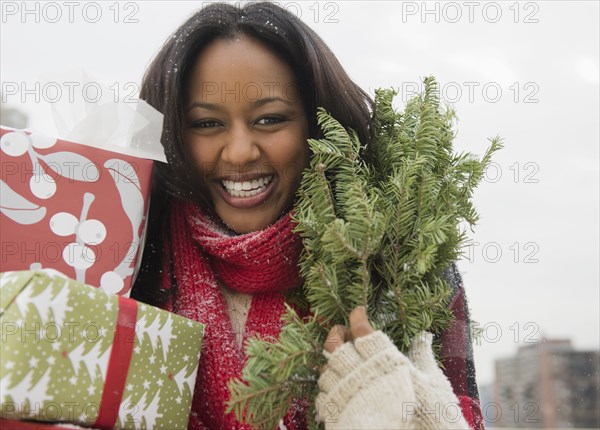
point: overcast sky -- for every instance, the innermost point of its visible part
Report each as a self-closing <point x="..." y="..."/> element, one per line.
<point x="527" y="71"/>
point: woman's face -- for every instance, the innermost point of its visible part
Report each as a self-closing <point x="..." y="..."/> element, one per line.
<point x="247" y="131"/>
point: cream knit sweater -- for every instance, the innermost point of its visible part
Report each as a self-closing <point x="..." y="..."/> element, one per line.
<point x="238" y="306"/>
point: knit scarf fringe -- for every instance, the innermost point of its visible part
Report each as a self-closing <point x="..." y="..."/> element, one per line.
<point x="201" y="257"/>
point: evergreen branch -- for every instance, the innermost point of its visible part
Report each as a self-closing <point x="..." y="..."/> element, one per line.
<point x="380" y="225"/>
<point x="277" y="372"/>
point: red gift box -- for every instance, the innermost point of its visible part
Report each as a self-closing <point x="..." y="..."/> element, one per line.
<point x="71" y="207"/>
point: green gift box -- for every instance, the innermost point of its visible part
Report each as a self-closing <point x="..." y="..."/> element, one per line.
<point x="74" y="353"/>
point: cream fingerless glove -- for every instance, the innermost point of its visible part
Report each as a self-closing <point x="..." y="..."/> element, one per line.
<point x="437" y="406"/>
<point x="369" y="384"/>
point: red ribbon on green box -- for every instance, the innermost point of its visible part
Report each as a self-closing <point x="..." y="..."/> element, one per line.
<point x="118" y="364"/>
<point x="121" y="364"/>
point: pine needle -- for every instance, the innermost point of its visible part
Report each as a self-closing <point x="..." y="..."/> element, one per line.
<point x="381" y="225"/>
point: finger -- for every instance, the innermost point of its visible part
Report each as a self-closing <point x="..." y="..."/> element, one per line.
<point x="359" y="323"/>
<point x="336" y="338"/>
<point x="421" y="352"/>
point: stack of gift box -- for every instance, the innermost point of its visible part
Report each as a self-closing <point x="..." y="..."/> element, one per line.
<point x="75" y="348"/>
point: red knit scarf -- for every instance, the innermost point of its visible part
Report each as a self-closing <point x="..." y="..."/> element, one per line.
<point x="262" y="263"/>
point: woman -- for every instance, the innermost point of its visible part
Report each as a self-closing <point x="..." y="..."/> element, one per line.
<point x="239" y="89"/>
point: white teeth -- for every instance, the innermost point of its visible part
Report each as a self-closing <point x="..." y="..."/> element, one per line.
<point x="246" y="188"/>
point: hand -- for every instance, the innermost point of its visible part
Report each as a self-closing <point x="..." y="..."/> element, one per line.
<point x="359" y="326"/>
<point x="369" y="384"/>
<point x="437" y="407"/>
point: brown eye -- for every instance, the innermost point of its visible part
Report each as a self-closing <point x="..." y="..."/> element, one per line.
<point x="209" y="123"/>
<point x="269" y="120"/>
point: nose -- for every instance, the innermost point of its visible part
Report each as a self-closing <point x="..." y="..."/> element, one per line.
<point x="241" y="147"/>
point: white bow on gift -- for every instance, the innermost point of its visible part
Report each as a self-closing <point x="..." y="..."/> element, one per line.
<point x="131" y="126"/>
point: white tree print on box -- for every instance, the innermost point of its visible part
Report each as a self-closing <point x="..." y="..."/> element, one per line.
<point x="40" y="373"/>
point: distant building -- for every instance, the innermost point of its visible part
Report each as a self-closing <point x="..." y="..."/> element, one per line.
<point x="546" y="385"/>
<point x="486" y="400"/>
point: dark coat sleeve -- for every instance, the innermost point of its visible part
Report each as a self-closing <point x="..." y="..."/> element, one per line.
<point x="457" y="353"/>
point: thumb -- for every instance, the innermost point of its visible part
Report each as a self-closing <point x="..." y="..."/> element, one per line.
<point x="421" y="352"/>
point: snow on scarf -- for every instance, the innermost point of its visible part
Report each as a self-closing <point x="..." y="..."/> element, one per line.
<point x="262" y="263"/>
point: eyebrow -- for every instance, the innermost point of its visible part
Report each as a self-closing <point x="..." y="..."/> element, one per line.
<point x="204" y="105"/>
<point x="266" y="100"/>
<point x="255" y="103"/>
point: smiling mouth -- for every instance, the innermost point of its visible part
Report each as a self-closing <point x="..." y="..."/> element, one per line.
<point x="247" y="188"/>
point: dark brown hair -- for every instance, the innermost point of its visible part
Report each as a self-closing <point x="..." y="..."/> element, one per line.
<point x="321" y="79"/>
